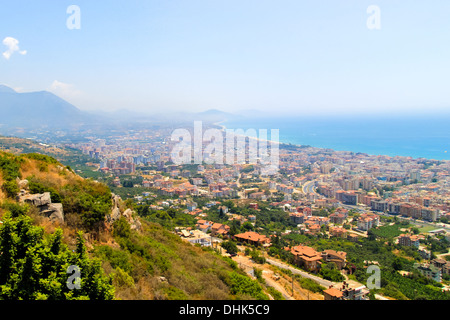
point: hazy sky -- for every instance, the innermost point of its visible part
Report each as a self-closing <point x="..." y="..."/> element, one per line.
<point x="275" y="56"/>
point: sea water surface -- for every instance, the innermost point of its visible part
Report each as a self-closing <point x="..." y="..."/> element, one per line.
<point x="411" y="136"/>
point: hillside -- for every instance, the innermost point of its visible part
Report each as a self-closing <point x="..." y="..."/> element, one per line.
<point x="19" y="146"/>
<point x="120" y="255"/>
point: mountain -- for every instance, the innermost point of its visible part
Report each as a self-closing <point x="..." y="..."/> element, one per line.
<point x="40" y="109"/>
<point x="214" y="112"/>
<point x="42" y="113"/>
<point x="209" y="116"/>
<point x="5" y="89"/>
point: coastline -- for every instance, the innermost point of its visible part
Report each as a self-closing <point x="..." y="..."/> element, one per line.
<point x="357" y="136"/>
<point x="223" y="128"/>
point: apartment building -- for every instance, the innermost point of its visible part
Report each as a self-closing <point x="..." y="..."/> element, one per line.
<point x="408" y="240"/>
<point x="367" y="221"/>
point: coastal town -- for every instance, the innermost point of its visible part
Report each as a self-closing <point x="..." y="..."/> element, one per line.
<point x="313" y="214"/>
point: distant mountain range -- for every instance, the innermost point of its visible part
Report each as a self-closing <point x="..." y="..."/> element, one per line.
<point x="37" y="109"/>
<point x="44" y="110"/>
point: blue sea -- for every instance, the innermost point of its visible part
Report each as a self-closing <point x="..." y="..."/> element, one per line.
<point x="411" y="136"/>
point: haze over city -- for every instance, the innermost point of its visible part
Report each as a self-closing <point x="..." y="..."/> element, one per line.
<point x="232" y="153"/>
<point x="288" y="57"/>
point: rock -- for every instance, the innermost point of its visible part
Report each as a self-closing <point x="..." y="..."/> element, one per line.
<point x="115" y="214"/>
<point x="136" y="225"/>
<point x="115" y="200"/>
<point x="128" y="213"/>
<point x="37" y="200"/>
<point x="23" y="184"/>
<point x="54" y="211"/>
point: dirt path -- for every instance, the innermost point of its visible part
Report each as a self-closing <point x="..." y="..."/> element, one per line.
<point x="281" y="282"/>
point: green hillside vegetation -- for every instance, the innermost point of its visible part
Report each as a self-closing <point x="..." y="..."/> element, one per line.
<point x="390" y="231"/>
<point x="35" y="265"/>
<point x="175" y="269"/>
<point x="115" y="262"/>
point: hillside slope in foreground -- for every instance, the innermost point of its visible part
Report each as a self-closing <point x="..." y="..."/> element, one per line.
<point x="65" y="237"/>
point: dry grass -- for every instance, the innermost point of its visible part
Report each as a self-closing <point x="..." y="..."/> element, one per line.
<point x="53" y="174"/>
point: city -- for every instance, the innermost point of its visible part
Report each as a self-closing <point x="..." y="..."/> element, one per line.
<point x="324" y="193"/>
<point x="225" y="158"/>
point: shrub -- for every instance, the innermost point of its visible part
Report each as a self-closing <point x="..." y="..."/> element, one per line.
<point x="331" y="274"/>
<point x="121" y="228"/>
<point x="40" y="157"/>
<point x="90" y="200"/>
<point x="33" y="268"/>
<point x="242" y="285"/>
<point x="310" y="285"/>
<point x="122" y="279"/>
<point x="117" y="258"/>
<point x="15" y="208"/>
<point x="10" y="166"/>
<point x="173" y="293"/>
<point x="11" y="188"/>
<point x="36" y="186"/>
<point x="230" y="246"/>
<point x="275" y="293"/>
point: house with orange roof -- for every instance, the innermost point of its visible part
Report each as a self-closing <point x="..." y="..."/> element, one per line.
<point x="338" y="232"/>
<point x="306" y="257"/>
<point x="204" y="225"/>
<point x="253" y="238"/>
<point x="218" y="229"/>
<point x="332" y="294"/>
<point x="314" y="228"/>
<point x="337" y="257"/>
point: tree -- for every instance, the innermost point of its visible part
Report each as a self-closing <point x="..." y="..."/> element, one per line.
<point x="11" y="188"/>
<point x="234" y="228"/>
<point x="222" y="214"/>
<point x="32" y="267"/>
<point x="242" y="285"/>
<point x="122" y="228"/>
<point x="230" y="247"/>
<point x="330" y="272"/>
<point x="247" y="226"/>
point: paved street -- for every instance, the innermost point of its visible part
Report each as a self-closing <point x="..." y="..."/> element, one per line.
<point x="323" y="282"/>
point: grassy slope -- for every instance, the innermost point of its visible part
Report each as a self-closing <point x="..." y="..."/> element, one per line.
<point x="151" y="264"/>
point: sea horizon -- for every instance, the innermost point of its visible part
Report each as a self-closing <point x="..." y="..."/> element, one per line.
<point x="407" y="136"/>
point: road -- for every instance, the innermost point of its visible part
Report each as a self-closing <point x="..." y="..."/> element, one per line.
<point x="272" y="283"/>
<point x="309" y="187"/>
<point x="322" y="282"/>
<point x="415" y="222"/>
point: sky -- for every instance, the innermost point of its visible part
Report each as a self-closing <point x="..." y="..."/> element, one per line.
<point x="277" y="57"/>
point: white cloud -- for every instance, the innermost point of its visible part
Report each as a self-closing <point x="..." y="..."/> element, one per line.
<point x="64" y="90"/>
<point x="13" y="46"/>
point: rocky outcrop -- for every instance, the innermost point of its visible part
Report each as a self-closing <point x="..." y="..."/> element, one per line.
<point x="22" y="184"/>
<point x="53" y="211"/>
<point x="37" y="200"/>
<point x="43" y="201"/>
<point x="117" y="212"/>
